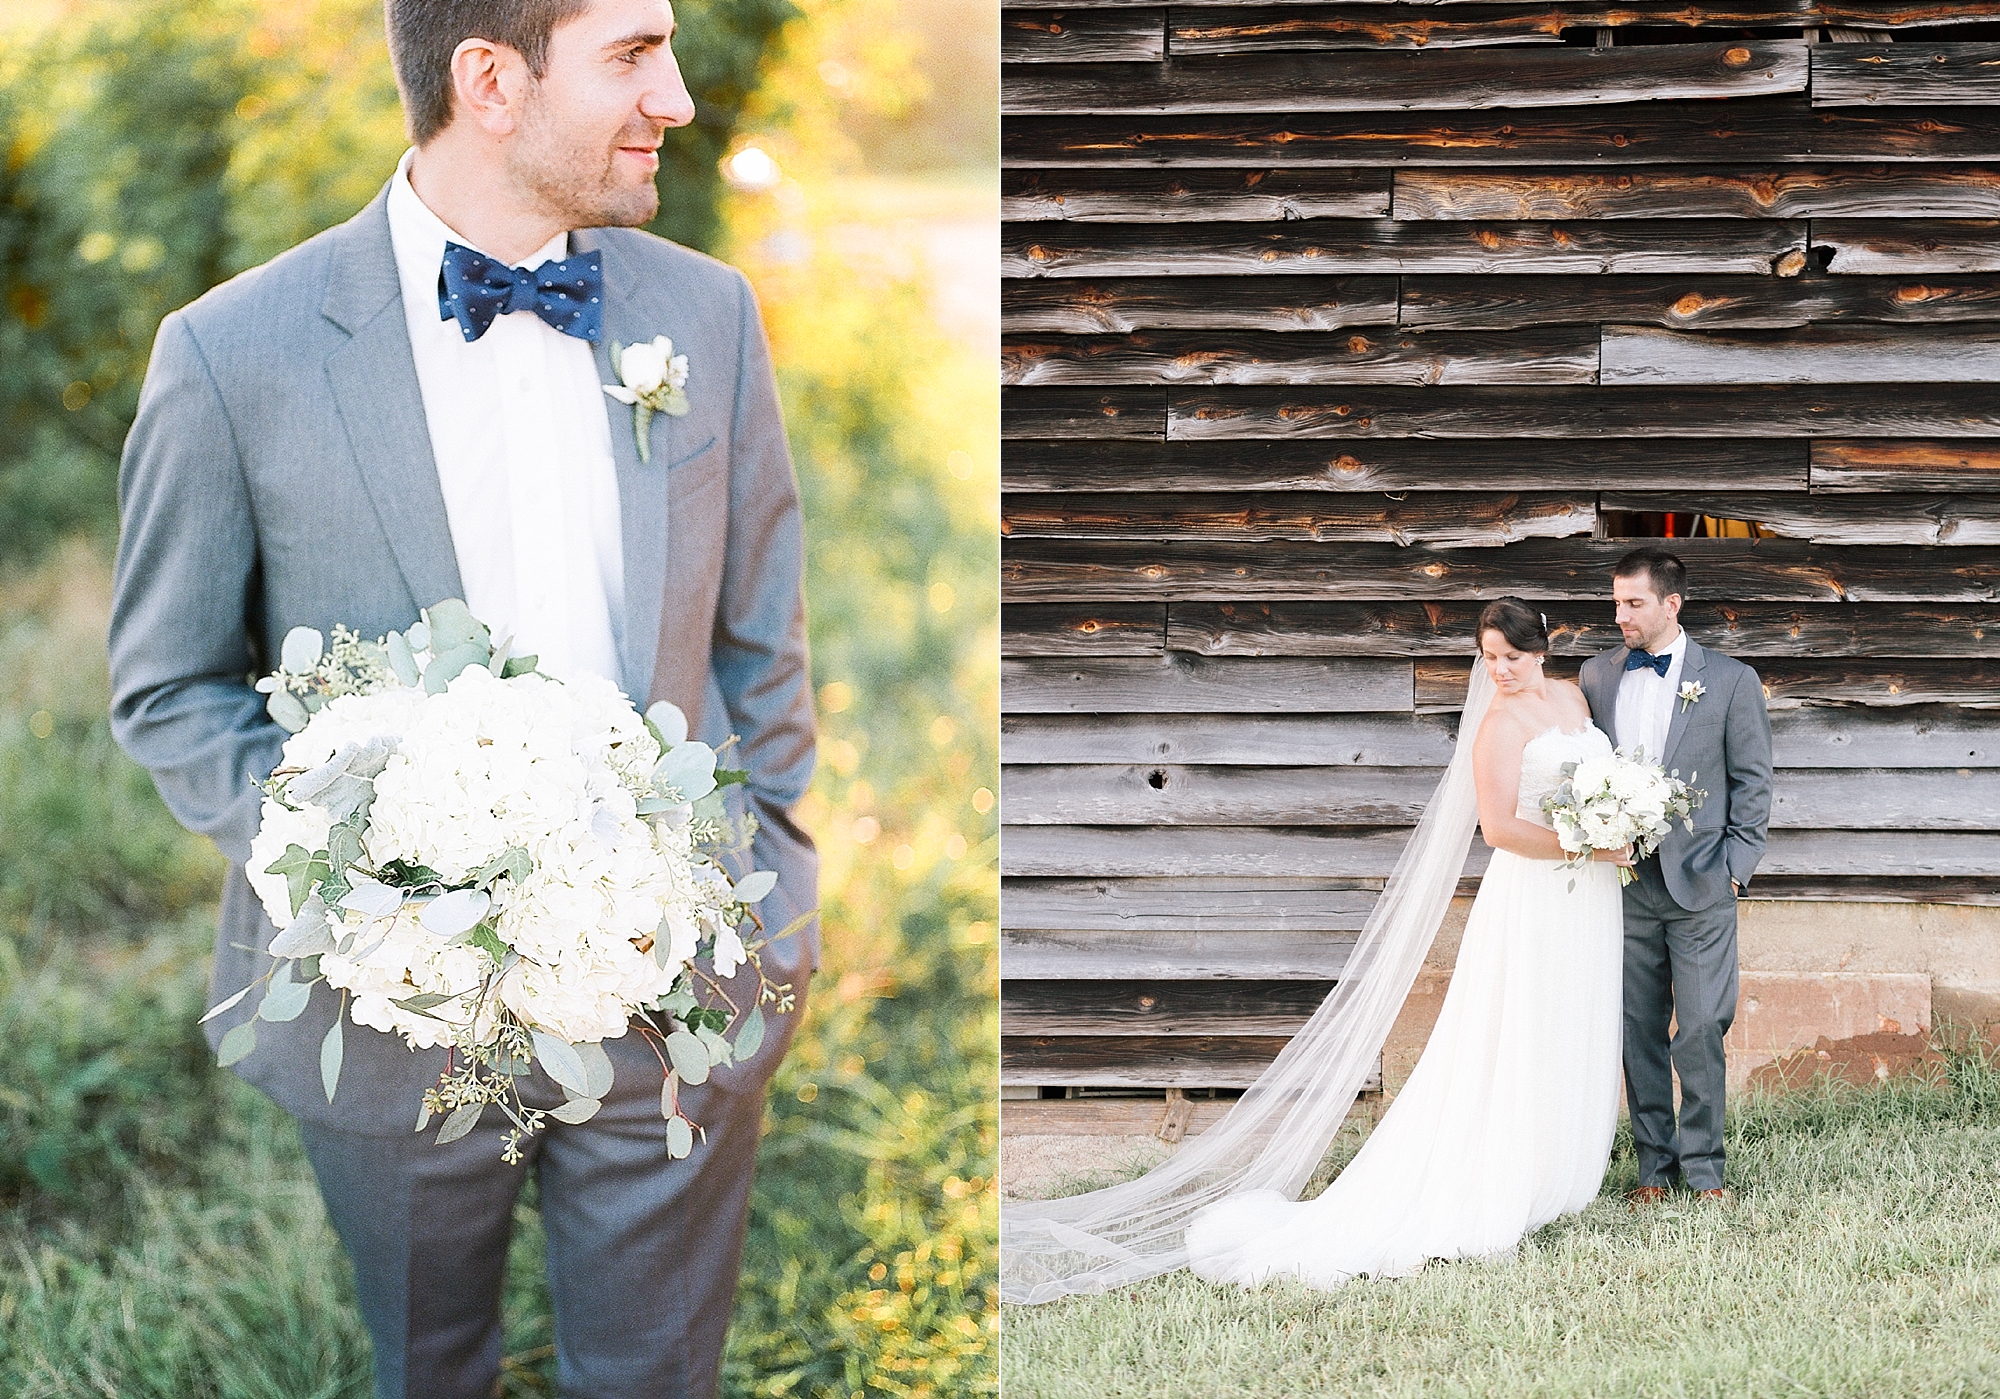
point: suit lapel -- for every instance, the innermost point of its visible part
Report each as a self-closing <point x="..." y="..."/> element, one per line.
<point x="374" y="382"/>
<point x="1692" y="665"/>
<point x="1610" y="677"/>
<point x="642" y="486"/>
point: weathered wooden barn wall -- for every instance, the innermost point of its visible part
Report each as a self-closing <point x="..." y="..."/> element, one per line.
<point x="1325" y="323"/>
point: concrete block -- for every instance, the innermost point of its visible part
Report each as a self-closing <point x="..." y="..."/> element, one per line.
<point x="1779" y="1012"/>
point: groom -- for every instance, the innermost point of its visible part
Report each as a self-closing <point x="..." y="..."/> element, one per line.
<point x="407" y="408"/>
<point x="1702" y="714"/>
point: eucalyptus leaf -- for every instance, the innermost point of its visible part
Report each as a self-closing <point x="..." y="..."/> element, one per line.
<point x="496" y="665"/>
<point x="237" y="1044"/>
<point x="309" y="968"/>
<point x="447" y="666"/>
<point x="755" y="885"/>
<point x="220" y="1006"/>
<point x="750" y="1036"/>
<point x="678" y="1001"/>
<point x="462" y="1120"/>
<point x="423" y="1001"/>
<point x="301" y="650"/>
<point x="402" y="659"/>
<point x="668" y="1106"/>
<point x="689" y="1057"/>
<point x="670" y="720"/>
<point x="596" y="1069"/>
<point x="687" y="771"/>
<point x="718" y="1048"/>
<point x="576" y="1110"/>
<point x="424" y="1115"/>
<point x="419" y="636"/>
<point x="680" y="1138"/>
<point x="331" y="1050"/>
<point x="453" y="625"/>
<point x="518" y="665"/>
<point x="372" y="898"/>
<point x="561" y="1062"/>
<point x="285" y="1000"/>
<point x="284" y="708"/>
<point x="448" y="915"/>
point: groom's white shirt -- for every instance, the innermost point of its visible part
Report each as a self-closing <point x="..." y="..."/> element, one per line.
<point x="522" y="441"/>
<point x="1646" y="701"/>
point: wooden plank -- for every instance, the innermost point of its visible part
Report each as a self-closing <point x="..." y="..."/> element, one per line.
<point x="1441" y="681"/>
<point x="1069" y="414"/>
<point x="1227" y="906"/>
<point x="1840" y="519"/>
<point x="1746" y="131"/>
<point x="1691" y="302"/>
<point x="1176" y="795"/>
<point x="1115" y="305"/>
<point x="1962" y="74"/>
<point x="1556" y="355"/>
<point x="1199" y="196"/>
<point x="1442" y="518"/>
<point x="1202" y="685"/>
<point x="1917" y="799"/>
<point x="1916" y="889"/>
<point x="1444" y="628"/>
<point x="1262" y="850"/>
<point x="1407" y="464"/>
<point x="1136" y="1062"/>
<point x="1083" y="36"/>
<point x="1236" y="29"/>
<point x="1270" y="955"/>
<point x="1610" y="411"/>
<point x="1768" y="570"/>
<point x="1351" y="246"/>
<point x="1137" y="630"/>
<point x="1391" y="81"/>
<point x="1377" y="738"/>
<point x="1851" y="354"/>
<point x="1172" y="1007"/>
<point x="1936" y="736"/>
<point x="1869" y="680"/>
<point x="1909" y="247"/>
<point x="1797" y="192"/>
<point x="1890" y="465"/>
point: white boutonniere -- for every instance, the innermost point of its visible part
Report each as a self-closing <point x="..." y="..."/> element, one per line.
<point x="653" y="380"/>
<point x="1691" y="693"/>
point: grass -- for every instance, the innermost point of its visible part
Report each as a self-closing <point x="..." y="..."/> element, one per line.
<point x="1861" y="1256"/>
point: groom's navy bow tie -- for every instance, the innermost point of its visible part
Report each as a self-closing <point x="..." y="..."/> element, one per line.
<point x="474" y="288"/>
<point x="1645" y="660"/>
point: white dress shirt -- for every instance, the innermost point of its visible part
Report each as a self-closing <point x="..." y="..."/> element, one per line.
<point x="522" y="441"/>
<point x="1646" y="702"/>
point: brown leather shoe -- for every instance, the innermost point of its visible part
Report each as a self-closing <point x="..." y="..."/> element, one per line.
<point x="1719" y="1195"/>
<point x="1646" y="1195"/>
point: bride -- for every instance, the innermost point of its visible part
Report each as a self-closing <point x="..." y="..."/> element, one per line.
<point x="1508" y="1118"/>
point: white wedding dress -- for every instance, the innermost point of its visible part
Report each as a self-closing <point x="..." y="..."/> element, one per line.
<point x="1507" y="1120"/>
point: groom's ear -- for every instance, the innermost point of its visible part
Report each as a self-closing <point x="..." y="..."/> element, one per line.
<point x="489" y="82"/>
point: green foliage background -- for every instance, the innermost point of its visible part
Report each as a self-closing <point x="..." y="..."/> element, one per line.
<point x="161" y="1233"/>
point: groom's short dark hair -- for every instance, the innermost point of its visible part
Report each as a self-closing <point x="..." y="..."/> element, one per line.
<point x="1663" y="570"/>
<point x="424" y="34"/>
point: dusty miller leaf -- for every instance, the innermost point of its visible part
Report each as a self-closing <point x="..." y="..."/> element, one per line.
<point x="237" y="1044"/>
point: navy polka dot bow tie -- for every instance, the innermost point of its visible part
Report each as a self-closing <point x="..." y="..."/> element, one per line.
<point x="1643" y="660"/>
<point x="474" y="288"/>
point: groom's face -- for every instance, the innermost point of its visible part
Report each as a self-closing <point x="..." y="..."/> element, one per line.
<point x="591" y="128"/>
<point x="1645" y="619"/>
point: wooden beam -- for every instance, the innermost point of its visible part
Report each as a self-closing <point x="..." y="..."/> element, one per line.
<point x="1407" y="464"/>
<point x="1869" y="680"/>
<point x="1885" y="464"/>
<point x="1558" y="355"/>
<point x="1642" y="192"/>
<point x="1165" y="1007"/>
<point x="1355" y="246"/>
<point x="1074" y="35"/>
<point x="1909" y="247"/>
<point x="1485" y="411"/>
<point x="1745" y="131"/>
<point x="1201" y="685"/>
<point x="1210" y="30"/>
<point x="1690" y="302"/>
<point x="1136" y="1062"/>
<point x="1392" y="81"/>
<point x="1908" y="74"/>
<point x="1190" y="956"/>
<point x="1228" y="907"/>
<point x="1916" y="736"/>
<point x="1849" y="354"/>
<point x="1071" y="414"/>
<point x="1770" y="570"/>
<point x="1115" y="305"/>
<point x="1743" y="629"/>
<point x="1199" y="196"/>
<point x="1917" y="889"/>
<point x="1032" y="630"/>
<point x="1839" y="519"/>
<point x="1442" y="518"/>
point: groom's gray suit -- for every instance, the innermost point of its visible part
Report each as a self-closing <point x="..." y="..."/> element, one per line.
<point x="1680" y="913"/>
<point x="279" y="474"/>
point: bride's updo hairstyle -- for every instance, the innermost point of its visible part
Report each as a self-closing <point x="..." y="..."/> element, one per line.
<point x="1524" y="627"/>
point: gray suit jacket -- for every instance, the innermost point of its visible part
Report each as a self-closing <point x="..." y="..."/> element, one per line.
<point x="279" y="474"/>
<point x="1721" y="743"/>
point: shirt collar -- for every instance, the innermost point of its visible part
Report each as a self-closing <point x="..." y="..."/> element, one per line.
<point x="418" y="236"/>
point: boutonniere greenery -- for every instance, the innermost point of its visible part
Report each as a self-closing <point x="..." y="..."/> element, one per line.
<point x="653" y="379"/>
<point x="1691" y="693"/>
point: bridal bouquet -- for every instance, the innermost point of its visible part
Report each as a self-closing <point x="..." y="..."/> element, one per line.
<point x="1611" y="802"/>
<point x="481" y="856"/>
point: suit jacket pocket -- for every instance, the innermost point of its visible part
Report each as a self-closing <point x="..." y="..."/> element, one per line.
<point x="684" y="459"/>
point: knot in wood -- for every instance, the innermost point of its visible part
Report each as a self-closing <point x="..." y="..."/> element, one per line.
<point x="1736" y="57"/>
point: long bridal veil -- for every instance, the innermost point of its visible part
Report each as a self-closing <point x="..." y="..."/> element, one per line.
<point x="1276" y="1133"/>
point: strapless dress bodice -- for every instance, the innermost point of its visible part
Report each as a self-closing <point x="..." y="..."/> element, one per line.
<point x="1542" y="763"/>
